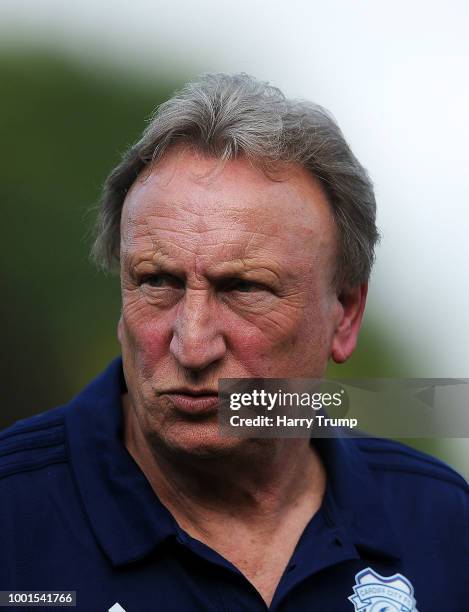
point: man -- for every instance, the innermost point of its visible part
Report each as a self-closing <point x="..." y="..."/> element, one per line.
<point x="244" y="229"/>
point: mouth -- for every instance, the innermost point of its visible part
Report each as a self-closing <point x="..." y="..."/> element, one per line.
<point x="193" y="403"/>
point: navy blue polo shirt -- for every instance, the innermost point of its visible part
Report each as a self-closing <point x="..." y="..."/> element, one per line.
<point x="76" y="513"/>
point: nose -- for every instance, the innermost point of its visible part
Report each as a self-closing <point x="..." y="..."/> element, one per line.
<point x="197" y="339"/>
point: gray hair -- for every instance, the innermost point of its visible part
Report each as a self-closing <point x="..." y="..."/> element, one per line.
<point x="228" y="116"/>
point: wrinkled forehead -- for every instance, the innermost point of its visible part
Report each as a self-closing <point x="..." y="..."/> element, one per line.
<point x="200" y="202"/>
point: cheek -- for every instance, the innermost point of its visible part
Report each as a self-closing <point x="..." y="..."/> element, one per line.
<point x="145" y="340"/>
<point x="262" y="349"/>
<point x="293" y="345"/>
<point x="315" y="338"/>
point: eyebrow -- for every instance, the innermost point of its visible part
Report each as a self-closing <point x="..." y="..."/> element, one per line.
<point x="244" y="268"/>
<point x="153" y="261"/>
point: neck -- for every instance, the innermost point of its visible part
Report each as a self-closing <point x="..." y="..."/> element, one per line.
<point x="257" y="485"/>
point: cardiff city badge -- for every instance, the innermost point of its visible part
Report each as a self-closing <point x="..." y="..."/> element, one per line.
<point x="375" y="593"/>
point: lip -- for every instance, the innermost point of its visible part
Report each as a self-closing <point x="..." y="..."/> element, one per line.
<point x="189" y="391"/>
<point x="193" y="403"/>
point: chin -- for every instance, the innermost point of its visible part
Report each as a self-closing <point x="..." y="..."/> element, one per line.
<point x="195" y="439"/>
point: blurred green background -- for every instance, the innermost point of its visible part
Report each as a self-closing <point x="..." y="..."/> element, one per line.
<point x="63" y="126"/>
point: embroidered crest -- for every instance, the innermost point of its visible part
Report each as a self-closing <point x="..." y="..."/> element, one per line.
<point x="375" y="593"/>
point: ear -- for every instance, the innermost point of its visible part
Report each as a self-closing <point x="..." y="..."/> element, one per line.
<point x="344" y="341"/>
<point x="120" y="329"/>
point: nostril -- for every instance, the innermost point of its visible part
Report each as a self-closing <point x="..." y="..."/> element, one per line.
<point x="197" y="353"/>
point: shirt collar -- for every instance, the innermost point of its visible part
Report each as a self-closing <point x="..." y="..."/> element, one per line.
<point x="353" y="499"/>
<point x="128" y="519"/>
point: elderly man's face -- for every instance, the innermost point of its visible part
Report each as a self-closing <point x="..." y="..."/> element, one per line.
<point x="225" y="273"/>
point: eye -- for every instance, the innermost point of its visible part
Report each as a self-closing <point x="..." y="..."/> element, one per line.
<point x="243" y="286"/>
<point x="162" y="281"/>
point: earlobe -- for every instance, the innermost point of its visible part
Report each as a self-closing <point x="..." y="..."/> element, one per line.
<point x="120" y="330"/>
<point x="352" y="301"/>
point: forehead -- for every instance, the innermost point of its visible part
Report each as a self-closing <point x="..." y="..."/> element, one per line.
<point x="197" y="202"/>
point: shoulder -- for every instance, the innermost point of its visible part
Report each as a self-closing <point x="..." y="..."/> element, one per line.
<point x="388" y="456"/>
<point x="416" y="486"/>
<point x="33" y="443"/>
